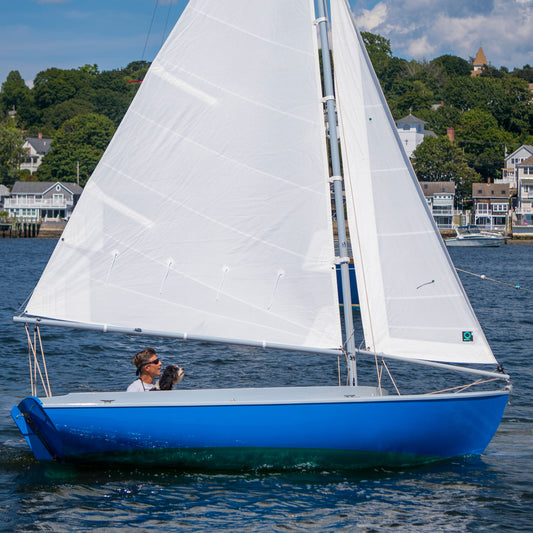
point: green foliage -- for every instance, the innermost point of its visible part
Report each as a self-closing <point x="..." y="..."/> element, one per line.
<point x="82" y="140"/>
<point x="440" y="119"/>
<point x="438" y="159"/>
<point x="11" y="153"/>
<point x="379" y="50"/>
<point x="483" y="142"/>
<point x="14" y="92"/>
<point x="526" y="73"/>
<point x="453" y="66"/>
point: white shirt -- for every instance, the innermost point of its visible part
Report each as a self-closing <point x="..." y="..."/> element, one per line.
<point x="140" y="386"/>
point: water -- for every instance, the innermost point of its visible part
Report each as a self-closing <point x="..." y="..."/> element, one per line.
<point x="490" y="493"/>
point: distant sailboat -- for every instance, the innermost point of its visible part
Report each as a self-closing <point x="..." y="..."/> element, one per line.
<point x="209" y="218"/>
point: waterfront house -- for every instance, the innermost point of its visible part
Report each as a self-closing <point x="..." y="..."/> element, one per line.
<point x="491" y="204"/>
<point x="36" y="149"/>
<point x="32" y="201"/>
<point x="510" y="171"/>
<point x="440" y="197"/>
<point x="524" y="208"/>
<point x="412" y="132"/>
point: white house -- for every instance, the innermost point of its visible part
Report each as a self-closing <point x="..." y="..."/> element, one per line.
<point x="31" y="201"/>
<point x="510" y="171"/>
<point x="37" y="148"/>
<point x="524" y="208"/>
<point x="412" y="132"/>
<point x="440" y="197"/>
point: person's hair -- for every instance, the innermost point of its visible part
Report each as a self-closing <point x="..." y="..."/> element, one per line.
<point x="142" y="358"/>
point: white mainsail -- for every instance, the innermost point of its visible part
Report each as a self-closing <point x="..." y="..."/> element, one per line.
<point x="209" y="214"/>
<point x="412" y="301"/>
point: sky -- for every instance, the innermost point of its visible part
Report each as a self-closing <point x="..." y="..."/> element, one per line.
<point x="39" y="34"/>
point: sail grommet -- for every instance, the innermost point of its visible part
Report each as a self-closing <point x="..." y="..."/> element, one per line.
<point x="333" y="179"/>
<point x="319" y="20"/>
<point x="327" y="98"/>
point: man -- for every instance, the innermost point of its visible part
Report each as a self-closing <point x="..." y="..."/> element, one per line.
<point x="148" y="368"/>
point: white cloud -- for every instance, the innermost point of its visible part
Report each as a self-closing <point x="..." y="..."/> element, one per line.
<point x="427" y="29"/>
<point x="372" y="18"/>
<point x="421" y="48"/>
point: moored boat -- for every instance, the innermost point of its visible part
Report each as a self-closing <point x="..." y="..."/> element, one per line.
<point x="472" y="235"/>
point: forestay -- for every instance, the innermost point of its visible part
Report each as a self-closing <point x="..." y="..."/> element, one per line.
<point x="209" y="214"/>
<point x="412" y="301"/>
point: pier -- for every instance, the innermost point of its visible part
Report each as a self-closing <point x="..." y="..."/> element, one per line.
<point x="31" y="230"/>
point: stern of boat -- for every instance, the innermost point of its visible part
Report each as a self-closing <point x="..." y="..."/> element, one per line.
<point x="37" y="428"/>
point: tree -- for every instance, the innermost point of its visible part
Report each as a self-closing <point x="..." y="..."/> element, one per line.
<point x="440" y="119"/>
<point x="453" y="65"/>
<point x="378" y="49"/>
<point x="14" y="91"/>
<point x="53" y="86"/>
<point x="54" y="116"/>
<point x="416" y="96"/>
<point x="11" y="153"/>
<point x="82" y="140"/>
<point x="483" y="142"/>
<point x="438" y="159"/>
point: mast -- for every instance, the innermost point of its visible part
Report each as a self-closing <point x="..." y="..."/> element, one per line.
<point x="336" y="178"/>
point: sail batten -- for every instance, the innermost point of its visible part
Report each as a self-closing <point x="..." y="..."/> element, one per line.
<point x="412" y="302"/>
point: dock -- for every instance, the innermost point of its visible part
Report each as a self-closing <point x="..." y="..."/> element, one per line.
<point x="50" y="229"/>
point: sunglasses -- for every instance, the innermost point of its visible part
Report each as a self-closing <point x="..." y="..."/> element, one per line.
<point x="154" y="362"/>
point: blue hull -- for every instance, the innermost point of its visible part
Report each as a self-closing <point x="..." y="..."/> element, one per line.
<point x="344" y="433"/>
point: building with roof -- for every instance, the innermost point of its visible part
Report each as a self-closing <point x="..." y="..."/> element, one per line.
<point x="37" y="148"/>
<point x="412" y="132"/>
<point x="440" y="197"/>
<point x="491" y="202"/>
<point x="480" y="61"/>
<point x="510" y="171"/>
<point x="32" y="201"/>
<point x="524" y="207"/>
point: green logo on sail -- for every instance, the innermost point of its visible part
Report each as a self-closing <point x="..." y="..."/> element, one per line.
<point x="467" y="336"/>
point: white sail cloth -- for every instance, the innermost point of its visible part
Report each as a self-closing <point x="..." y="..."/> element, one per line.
<point x="209" y="214"/>
<point x="412" y="301"/>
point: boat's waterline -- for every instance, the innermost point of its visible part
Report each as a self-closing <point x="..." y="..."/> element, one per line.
<point x="242" y="433"/>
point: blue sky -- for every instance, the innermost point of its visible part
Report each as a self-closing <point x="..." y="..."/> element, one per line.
<point x="38" y="34"/>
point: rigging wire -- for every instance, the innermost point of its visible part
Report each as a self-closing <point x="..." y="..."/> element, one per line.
<point x="150" y="28"/>
<point x="482" y="276"/>
<point x="164" y="34"/>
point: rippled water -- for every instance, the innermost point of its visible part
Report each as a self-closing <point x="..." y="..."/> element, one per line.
<point x="493" y="492"/>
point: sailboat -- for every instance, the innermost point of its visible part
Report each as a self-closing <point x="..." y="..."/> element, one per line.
<point x="209" y="218"/>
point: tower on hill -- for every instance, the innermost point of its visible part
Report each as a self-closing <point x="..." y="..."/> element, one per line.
<point x="479" y="62"/>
